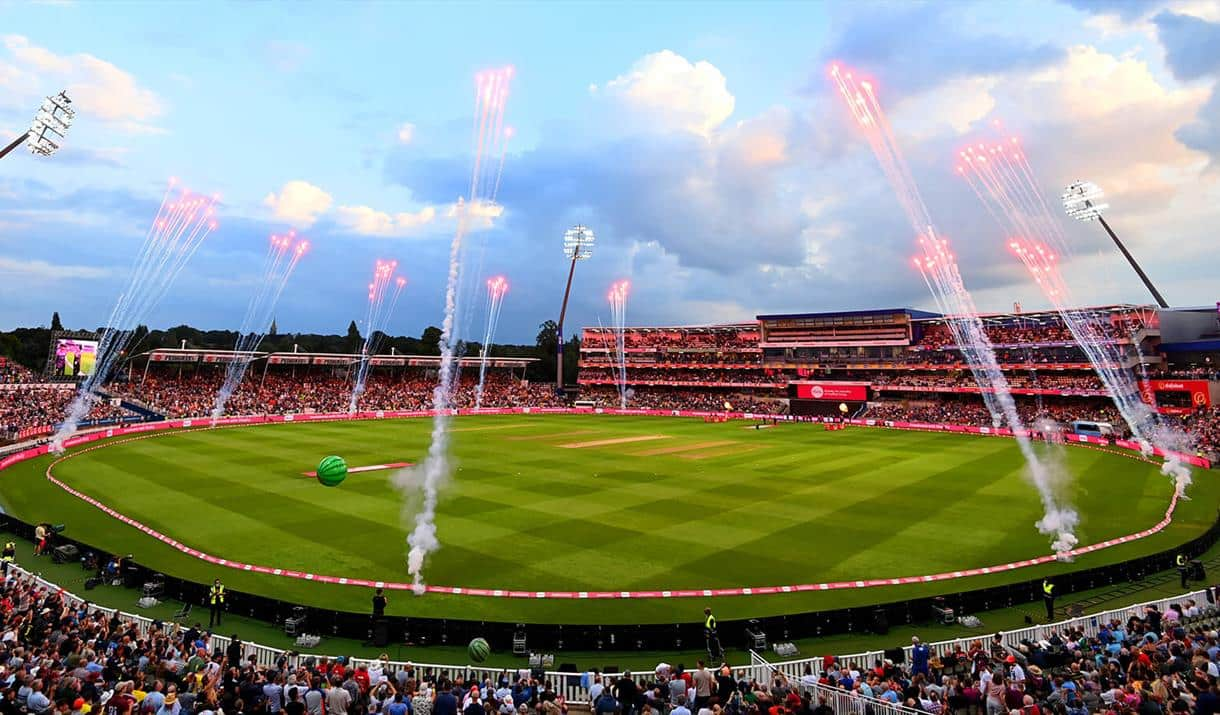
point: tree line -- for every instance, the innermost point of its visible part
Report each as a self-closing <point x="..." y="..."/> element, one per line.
<point x="30" y="346"/>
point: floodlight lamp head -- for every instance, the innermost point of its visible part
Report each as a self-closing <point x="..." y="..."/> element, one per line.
<point x="1084" y="201"/>
<point x="50" y="125"/>
<point x="578" y="242"/>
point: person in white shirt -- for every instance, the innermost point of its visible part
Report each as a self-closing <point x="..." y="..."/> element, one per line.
<point x="1016" y="673"/>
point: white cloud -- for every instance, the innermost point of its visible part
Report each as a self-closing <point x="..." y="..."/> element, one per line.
<point x="958" y="103"/>
<point x="100" y="90"/>
<point x="300" y="203"/>
<point x="37" y="270"/>
<point x="668" y="91"/>
<point x="366" y="221"/>
<point x="406" y="133"/>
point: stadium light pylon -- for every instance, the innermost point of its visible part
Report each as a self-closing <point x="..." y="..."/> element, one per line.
<point x="48" y="129"/>
<point x="577" y="245"/>
<point x="1083" y="201"/>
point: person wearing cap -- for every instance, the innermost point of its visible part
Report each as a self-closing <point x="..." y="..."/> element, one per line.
<point x="170" y="706"/>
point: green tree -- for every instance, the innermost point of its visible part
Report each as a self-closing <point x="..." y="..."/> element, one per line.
<point x="273" y="331"/>
<point x="547" y="344"/>
<point x="430" y="341"/>
<point x="548" y="338"/>
<point x="353" y="340"/>
<point x="55" y="324"/>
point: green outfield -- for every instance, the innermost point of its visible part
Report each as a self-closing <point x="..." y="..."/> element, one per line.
<point x="582" y="503"/>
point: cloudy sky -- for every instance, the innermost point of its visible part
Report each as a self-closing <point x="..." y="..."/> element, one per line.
<point x="705" y="148"/>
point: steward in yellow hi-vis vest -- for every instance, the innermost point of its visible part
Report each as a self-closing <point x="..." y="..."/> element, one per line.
<point x="1048" y="598"/>
<point x="216" y="603"/>
<point x="711" y="636"/>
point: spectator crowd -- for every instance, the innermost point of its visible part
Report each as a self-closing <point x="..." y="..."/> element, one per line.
<point x="1152" y="664"/>
<point x="61" y="656"/>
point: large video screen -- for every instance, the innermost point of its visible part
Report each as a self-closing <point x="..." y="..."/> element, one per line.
<point x="74" y="358"/>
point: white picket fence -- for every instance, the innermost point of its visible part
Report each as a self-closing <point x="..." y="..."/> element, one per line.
<point x="843" y="702"/>
<point x="569" y="684"/>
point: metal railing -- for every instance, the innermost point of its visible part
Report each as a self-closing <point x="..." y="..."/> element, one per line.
<point x="841" y="700"/>
<point x="1089" y="624"/>
<point x="569" y="684"/>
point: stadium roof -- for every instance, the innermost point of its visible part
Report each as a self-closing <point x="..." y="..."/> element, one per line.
<point x="1048" y="315"/>
<point x="914" y="313"/>
<point x="687" y="328"/>
<point x="189" y="355"/>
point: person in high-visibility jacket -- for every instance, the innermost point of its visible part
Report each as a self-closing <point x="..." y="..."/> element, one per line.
<point x="216" y="602"/>
<point x="8" y="556"/>
<point x="1183" y="564"/>
<point x="1048" y="598"/>
<point x="710" y="635"/>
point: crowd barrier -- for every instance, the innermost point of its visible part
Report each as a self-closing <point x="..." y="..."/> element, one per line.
<point x="569" y="685"/>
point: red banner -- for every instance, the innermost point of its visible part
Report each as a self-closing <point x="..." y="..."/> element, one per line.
<point x="834" y="391"/>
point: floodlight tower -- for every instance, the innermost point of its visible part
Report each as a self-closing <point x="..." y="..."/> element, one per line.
<point x="49" y="128"/>
<point x="1083" y="201"/>
<point x="577" y="246"/>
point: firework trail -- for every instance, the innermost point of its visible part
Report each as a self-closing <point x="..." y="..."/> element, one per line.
<point x="618" y="316"/>
<point x="508" y="134"/>
<point x="283" y="255"/>
<point x="1002" y="178"/>
<point x="491" y="96"/>
<point x="938" y="267"/>
<point x="182" y="223"/>
<point x="376" y="317"/>
<point x="496" y="289"/>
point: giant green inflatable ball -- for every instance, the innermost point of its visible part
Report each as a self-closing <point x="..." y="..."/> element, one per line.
<point x="478" y="650"/>
<point x="332" y="471"/>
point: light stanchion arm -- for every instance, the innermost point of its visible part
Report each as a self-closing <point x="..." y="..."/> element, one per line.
<point x="16" y="143"/>
<point x="1134" y="264"/>
<point x="563" y="310"/>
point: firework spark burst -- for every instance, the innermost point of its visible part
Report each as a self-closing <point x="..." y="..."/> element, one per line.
<point x="283" y="254"/>
<point x="1001" y="176"/>
<point x="383" y="294"/>
<point x="939" y="269"/>
<point x="184" y="220"/>
<point x="497" y="288"/>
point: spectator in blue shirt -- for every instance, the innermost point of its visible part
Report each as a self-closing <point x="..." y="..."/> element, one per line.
<point x="919" y="657"/>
